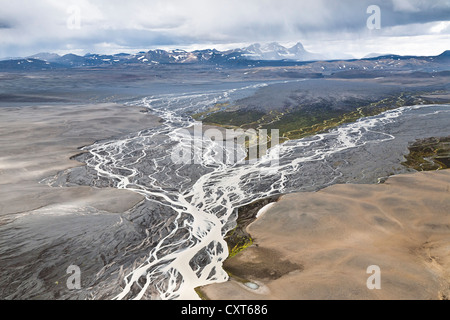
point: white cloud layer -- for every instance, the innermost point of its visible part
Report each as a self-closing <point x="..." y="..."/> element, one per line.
<point x="28" y="26"/>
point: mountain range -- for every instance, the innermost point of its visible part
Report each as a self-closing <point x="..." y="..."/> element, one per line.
<point x="271" y="54"/>
<point x="272" y="51"/>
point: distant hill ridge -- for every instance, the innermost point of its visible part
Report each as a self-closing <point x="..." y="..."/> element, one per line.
<point x="270" y="54"/>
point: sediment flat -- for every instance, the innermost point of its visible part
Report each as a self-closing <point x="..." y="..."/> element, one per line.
<point x="37" y="142"/>
<point x="45" y="229"/>
<point x="319" y="245"/>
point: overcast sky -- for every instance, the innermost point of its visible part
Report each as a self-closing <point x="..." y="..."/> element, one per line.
<point x="419" y="27"/>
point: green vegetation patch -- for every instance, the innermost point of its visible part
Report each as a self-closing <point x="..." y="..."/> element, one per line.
<point x="429" y="154"/>
<point x="305" y="120"/>
<point x="201" y="294"/>
<point x="243" y="242"/>
<point x="233" y="118"/>
<point x="216" y="108"/>
<point x="328" y="120"/>
<point x="238" y="239"/>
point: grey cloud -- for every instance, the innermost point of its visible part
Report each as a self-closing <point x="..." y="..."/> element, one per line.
<point x="139" y="23"/>
<point x="4" y="25"/>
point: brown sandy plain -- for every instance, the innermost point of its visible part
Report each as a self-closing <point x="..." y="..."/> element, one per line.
<point x="318" y="245"/>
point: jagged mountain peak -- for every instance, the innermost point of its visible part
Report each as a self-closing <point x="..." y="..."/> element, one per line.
<point x="298" y="47"/>
<point x="256" y="47"/>
<point x="276" y="51"/>
<point x="274" y="46"/>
